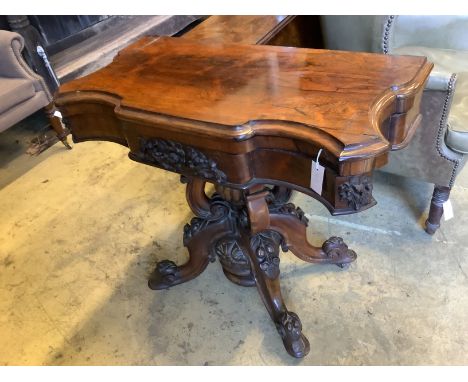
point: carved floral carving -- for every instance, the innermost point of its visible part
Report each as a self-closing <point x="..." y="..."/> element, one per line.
<point x="174" y="156"/>
<point x="219" y="209"/>
<point x="289" y="209"/>
<point x="266" y="247"/>
<point x="357" y="192"/>
<point x="289" y="325"/>
<point x="230" y="253"/>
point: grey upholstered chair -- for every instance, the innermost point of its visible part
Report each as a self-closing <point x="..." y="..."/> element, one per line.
<point x="22" y="92"/>
<point x="436" y="153"/>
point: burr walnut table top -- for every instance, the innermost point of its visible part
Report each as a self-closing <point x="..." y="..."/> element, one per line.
<point x="252" y="108"/>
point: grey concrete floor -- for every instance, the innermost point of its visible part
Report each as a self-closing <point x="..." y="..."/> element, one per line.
<point x="81" y="230"/>
<point x="15" y="142"/>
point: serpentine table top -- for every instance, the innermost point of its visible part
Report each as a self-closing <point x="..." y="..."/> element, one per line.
<point x="246" y="118"/>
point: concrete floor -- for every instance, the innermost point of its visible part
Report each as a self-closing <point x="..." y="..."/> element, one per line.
<point x="15" y="143"/>
<point x="81" y="230"/>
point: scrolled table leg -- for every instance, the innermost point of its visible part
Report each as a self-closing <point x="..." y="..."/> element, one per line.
<point x="291" y="222"/>
<point x="214" y="221"/>
<point x="263" y="251"/>
<point x="168" y="274"/>
<point x="262" y="244"/>
<point x="197" y="200"/>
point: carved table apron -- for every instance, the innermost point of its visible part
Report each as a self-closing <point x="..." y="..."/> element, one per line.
<point x="251" y="120"/>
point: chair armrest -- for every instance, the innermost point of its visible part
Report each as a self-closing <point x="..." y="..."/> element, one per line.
<point x="12" y="64"/>
<point x="440" y="80"/>
<point x="428" y="157"/>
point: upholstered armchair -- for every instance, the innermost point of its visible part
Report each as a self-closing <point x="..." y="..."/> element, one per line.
<point x="22" y="91"/>
<point x="437" y="152"/>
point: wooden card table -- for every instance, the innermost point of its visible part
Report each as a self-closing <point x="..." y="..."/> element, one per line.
<point x="257" y="122"/>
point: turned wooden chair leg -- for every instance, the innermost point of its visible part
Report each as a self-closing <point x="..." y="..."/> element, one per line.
<point x="57" y="125"/>
<point x="439" y="197"/>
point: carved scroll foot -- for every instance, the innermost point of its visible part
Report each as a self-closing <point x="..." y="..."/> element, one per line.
<point x="198" y="238"/>
<point x="336" y="250"/>
<point x="289" y="327"/>
<point x="214" y="222"/>
<point x="264" y="260"/>
<point x="165" y="275"/>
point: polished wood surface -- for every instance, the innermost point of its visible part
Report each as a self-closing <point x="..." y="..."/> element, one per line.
<point x="263" y="112"/>
<point x="240" y="91"/>
<point x="239" y="29"/>
<point x="302" y="31"/>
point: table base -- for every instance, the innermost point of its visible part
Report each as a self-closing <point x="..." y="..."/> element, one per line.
<point x="245" y="229"/>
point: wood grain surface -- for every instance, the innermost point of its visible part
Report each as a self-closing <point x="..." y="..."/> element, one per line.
<point x="261" y="113"/>
<point x="238" y="29"/>
<point x="239" y="91"/>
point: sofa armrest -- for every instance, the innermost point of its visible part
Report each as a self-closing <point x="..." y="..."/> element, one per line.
<point x="12" y="64"/>
<point x="11" y="45"/>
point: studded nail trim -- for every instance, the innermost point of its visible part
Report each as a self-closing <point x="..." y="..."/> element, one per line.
<point x="386" y="36"/>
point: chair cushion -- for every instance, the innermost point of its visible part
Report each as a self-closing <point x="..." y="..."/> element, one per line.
<point x="13" y="91"/>
<point x="449" y="61"/>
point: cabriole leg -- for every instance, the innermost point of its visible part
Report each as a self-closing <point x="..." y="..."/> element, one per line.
<point x="290" y="221"/>
<point x="263" y="247"/>
<point x="263" y="251"/>
<point x="212" y="223"/>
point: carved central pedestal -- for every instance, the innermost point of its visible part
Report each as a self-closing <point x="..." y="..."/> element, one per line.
<point x="245" y="231"/>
